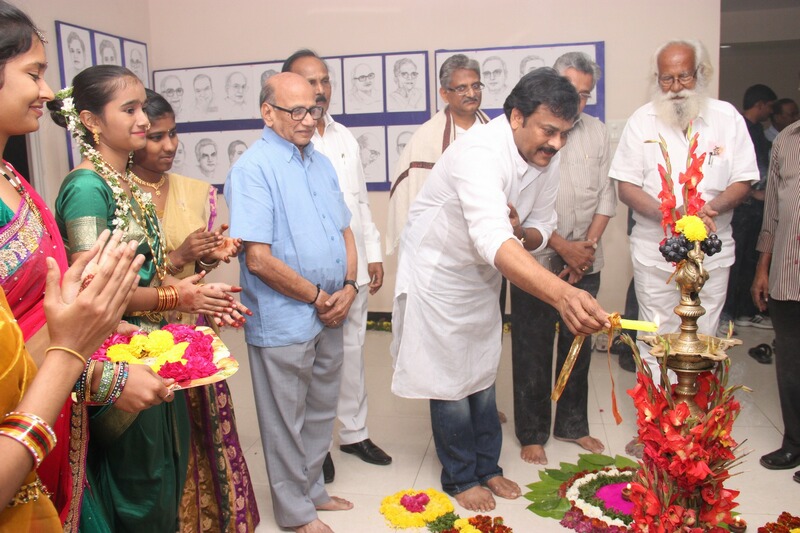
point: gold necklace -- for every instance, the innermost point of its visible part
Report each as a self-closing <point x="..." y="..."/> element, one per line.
<point x="155" y="186"/>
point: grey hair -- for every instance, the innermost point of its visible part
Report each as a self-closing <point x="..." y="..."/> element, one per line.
<point x="701" y="61"/>
<point x="454" y="63"/>
<point x="581" y="62"/>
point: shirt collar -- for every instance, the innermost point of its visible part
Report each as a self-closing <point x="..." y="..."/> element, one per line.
<point x="285" y="147"/>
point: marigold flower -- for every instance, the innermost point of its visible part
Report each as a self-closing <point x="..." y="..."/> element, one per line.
<point x="692" y="228"/>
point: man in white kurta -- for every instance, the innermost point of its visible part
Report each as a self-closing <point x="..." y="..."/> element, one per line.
<point x="457" y="244"/>
<point x="680" y="76"/>
<point x="335" y="141"/>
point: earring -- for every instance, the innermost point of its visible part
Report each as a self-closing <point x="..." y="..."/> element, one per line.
<point x="130" y="160"/>
<point x="96" y="136"/>
<point x="147" y="127"/>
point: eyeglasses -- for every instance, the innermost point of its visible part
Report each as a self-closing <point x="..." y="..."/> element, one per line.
<point x="365" y="77"/>
<point x="667" y="81"/>
<point x="586" y="96"/>
<point x="299" y="113"/>
<point x="461" y="90"/>
<point x="496" y="73"/>
<point x="169" y="93"/>
<point x="409" y="75"/>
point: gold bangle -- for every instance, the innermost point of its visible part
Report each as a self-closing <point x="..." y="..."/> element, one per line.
<point x="68" y="350"/>
<point x="170" y="266"/>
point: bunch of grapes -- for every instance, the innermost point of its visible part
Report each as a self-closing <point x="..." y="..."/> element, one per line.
<point x="675" y="248"/>
<point x="711" y="245"/>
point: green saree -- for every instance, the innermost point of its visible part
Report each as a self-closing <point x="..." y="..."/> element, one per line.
<point x="136" y="464"/>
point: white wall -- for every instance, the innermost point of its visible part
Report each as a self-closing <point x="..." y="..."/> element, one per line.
<point x="182" y="33"/>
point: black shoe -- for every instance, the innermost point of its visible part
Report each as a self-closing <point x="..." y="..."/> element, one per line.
<point x="367" y="452"/>
<point x="761" y="353"/>
<point x="796" y="476"/>
<point x="328" y="470"/>
<point x="626" y="361"/>
<point x="781" y="459"/>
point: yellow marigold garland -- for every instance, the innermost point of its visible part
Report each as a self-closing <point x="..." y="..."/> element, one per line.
<point x="692" y="228"/>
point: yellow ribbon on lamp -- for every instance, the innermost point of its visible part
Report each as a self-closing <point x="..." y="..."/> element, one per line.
<point x="569" y="363"/>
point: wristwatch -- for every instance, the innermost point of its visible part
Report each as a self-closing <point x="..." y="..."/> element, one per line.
<point x="352" y="283"/>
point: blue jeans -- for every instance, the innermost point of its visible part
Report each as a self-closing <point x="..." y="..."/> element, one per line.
<point x="468" y="439"/>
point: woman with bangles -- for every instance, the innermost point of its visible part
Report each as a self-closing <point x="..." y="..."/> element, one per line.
<point x="136" y="463"/>
<point x="218" y="495"/>
<point x="29" y="239"/>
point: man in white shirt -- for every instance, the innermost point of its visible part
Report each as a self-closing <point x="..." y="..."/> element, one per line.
<point x="680" y="75"/>
<point x="341" y="147"/>
<point x="464" y="234"/>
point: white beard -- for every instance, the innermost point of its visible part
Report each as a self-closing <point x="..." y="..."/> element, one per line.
<point x="678" y="109"/>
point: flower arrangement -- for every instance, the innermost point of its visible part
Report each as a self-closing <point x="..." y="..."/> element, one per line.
<point x="686" y="458"/>
<point x="786" y="523"/>
<point x="687" y="227"/>
<point x="585" y="497"/>
<point x="410" y="508"/>
<point x="176" y="351"/>
<point x="434" y="510"/>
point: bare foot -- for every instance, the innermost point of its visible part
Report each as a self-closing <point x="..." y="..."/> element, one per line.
<point x="502" y="416"/>
<point x="587" y="443"/>
<point x="534" y="453"/>
<point x="336" y="504"/>
<point x="476" y="499"/>
<point x="503" y="487"/>
<point x="317" y="526"/>
<point x="634" y="448"/>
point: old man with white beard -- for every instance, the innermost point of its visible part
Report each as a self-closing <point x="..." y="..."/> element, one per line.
<point x="681" y="72"/>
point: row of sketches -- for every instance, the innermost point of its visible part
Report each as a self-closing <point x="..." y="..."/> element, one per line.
<point x="502" y="68"/>
<point x="209" y="155"/>
<point x="359" y="86"/>
<point x="80" y="48"/>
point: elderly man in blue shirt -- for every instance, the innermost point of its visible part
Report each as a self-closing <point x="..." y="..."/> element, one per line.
<point x="297" y="273"/>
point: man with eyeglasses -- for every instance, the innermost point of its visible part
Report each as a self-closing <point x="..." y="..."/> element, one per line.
<point x="407" y="97"/>
<point x="460" y="88"/>
<point x="462" y="237"/>
<point x="586" y="201"/>
<point x="298" y="275"/>
<point x="681" y="72"/>
<point x="339" y="144"/>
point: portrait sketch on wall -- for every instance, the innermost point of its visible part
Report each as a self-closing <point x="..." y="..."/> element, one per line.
<point x="498" y="79"/>
<point x="75" y="53"/>
<point x="267" y="70"/>
<point x="363" y="84"/>
<point x="135" y="59"/>
<point x="335" y="73"/>
<point x="206" y="90"/>
<point x="397" y="138"/>
<point x="172" y="86"/>
<point x="107" y="49"/>
<point x="372" y="147"/>
<point x="209" y="155"/>
<point x="406" y="83"/>
<point x="239" y="93"/>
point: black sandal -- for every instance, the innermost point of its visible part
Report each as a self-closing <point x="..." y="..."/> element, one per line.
<point x="761" y="353"/>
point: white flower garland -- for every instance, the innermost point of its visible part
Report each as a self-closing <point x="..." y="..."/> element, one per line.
<point x="589" y="510"/>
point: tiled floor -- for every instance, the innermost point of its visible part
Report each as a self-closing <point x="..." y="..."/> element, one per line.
<point x="402" y="428"/>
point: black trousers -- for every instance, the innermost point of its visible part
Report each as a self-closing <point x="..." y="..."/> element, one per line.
<point x="785" y="316"/>
<point x="533" y="330"/>
<point x="745" y="225"/>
